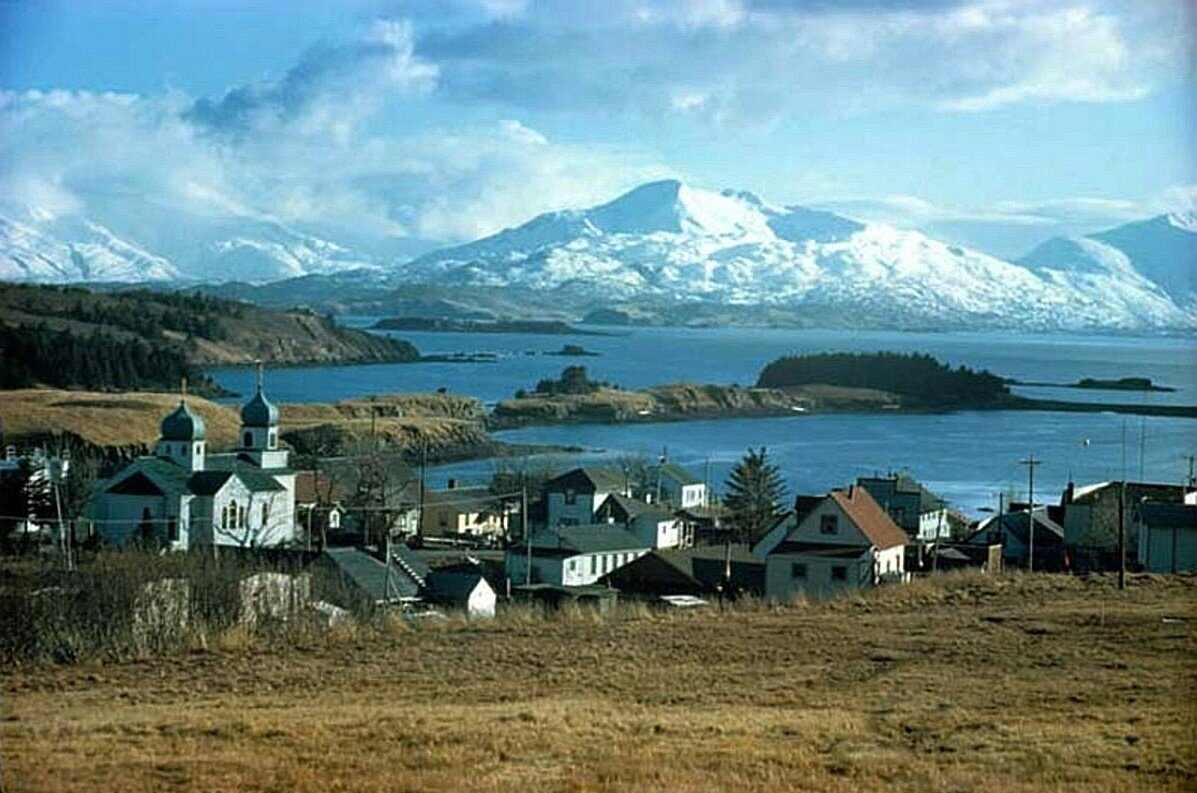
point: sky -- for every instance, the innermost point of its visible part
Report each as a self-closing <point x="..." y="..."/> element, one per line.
<point x="992" y="123"/>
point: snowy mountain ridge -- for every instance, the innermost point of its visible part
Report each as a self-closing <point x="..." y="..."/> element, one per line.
<point x="667" y="240"/>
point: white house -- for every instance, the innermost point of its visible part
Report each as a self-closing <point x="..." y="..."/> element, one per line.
<point x="830" y="544"/>
<point x="182" y="497"/>
<point x="678" y="487"/>
<point x="917" y="511"/>
<point x="573" y="498"/>
<point x="573" y="555"/>
<point x="651" y="523"/>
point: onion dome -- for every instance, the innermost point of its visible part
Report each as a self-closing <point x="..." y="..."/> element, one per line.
<point x="259" y="412"/>
<point x="182" y="425"/>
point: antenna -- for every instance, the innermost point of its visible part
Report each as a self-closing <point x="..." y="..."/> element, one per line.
<point x="183" y="390"/>
<point x="261" y="373"/>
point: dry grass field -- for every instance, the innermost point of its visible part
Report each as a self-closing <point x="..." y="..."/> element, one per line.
<point x="966" y="684"/>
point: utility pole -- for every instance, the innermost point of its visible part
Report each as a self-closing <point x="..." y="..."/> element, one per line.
<point x="1122" y="534"/>
<point x="1030" y="462"/>
<point x="938" y="529"/>
<point x="527" y="531"/>
<point x="1188" y="479"/>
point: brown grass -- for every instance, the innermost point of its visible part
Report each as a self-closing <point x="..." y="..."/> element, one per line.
<point x="1024" y="683"/>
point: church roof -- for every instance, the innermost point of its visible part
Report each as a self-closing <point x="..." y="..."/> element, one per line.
<point x="259" y="411"/>
<point x="182" y="424"/>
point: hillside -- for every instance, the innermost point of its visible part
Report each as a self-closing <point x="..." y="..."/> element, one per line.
<point x="145" y="340"/>
<point x="966" y="683"/>
<point x="122" y="425"/>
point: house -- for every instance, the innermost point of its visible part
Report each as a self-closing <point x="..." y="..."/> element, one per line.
<point x="368" y="581"/>
<point x="917" y="511"/>
<point x="182" y="497"/>
<point x="466" y="513"/>
<point x="1090" y="519"/>
<point x="573" y="498"/>
<point x="700" y="572"/>
<point x="831" y="544"/>
<point x="654" y="524"/>
<point x="1167" y="537"/>
<point x="670" y="483"/>
<point x="319" y="503"/>
<point x="1010" y="531"/>
<point x="461" y="587"/>
<point x="572" y="555"/>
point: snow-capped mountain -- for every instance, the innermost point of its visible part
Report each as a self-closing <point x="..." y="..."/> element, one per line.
<point x="1160" y="252"/>
<point x="160" y="245"/>
<point x="669" y="241"/>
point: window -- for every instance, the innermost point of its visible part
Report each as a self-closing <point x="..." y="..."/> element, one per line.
<point x="172" y="529"/>
<point x="198" y="448"/>
<point x="265" y="515"/>
<point x="571" y="497"/>
<point x="798" y="570"/>
<point x="249" y="439"/>
<point x="593" y="565"/>
<point x="224" y="517"/>
<point x="569" y="521"/>
<point x="829" y="524"/>
<point x="273" y="439"/>
<point x="839" y="573"/>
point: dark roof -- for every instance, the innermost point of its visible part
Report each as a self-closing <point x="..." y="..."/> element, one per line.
<point x="258" y="411"/>
<point x="236" y="461"/>
<point x="679" y="474"/>
<point x="453" y="586"/>
<point x="599" y="480"/>
<point x="634" y="507"/>
<point x="1180" y="516"/>
<point x="869" y="517"/>
<point x="1015" y="525"/>
<point x="136" y="485"/>
<point x="465" y="499"/>
<point x="820" y="549"/>
<point x="208" y="483"/>
<point x="587" y="539"/>
<point x="370" y="575"/>
<point x="182" y="424"/>
<point x="901" y="483"/>
<point x="409" y="559"/>
<point x="168" y="477"/>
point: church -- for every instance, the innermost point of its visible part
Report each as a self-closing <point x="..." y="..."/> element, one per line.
<point x="181" y="497"/>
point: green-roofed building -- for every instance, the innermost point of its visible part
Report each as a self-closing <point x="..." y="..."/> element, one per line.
<point x="573" y="555"/>
<point x="182" y="497"/>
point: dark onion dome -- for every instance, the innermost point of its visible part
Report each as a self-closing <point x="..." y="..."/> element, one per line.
<point x="182" y="425"/>
<point x="258" y="412"/>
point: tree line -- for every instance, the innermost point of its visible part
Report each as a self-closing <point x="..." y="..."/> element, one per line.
<point x="920" y="377"/>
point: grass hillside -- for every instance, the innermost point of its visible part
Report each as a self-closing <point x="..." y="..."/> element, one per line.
<point x="70" y="337"/>
<point x="965" y="683"/>
<point x="447" y="423"/>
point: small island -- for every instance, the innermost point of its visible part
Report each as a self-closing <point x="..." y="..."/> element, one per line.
<point x="574" y="351"/>
<point x="447" y="325"/>
<point x="1095" y="384"/>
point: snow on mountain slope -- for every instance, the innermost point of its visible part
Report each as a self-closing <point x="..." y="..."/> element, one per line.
<point x="95" y="254"/>
<point x="169" y="246"/>
<point x="1150" y="259"/>
<point x="668" y="241"/>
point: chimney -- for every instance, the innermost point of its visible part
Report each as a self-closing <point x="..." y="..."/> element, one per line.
<point x="451" y="484"/>
<point x="1069" y="492"/>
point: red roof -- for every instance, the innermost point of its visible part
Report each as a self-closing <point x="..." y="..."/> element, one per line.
<point x="869" y="517"/>
<point x="312" y="487"/>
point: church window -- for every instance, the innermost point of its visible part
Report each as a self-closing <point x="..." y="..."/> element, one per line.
<point x="224" y="517"/>
<point x="273" y="439"/>
<point x="265" y="515"/>
<point x="249" y="439"/>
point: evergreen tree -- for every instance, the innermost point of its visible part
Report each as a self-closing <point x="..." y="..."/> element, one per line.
<point x="754" y="496"/>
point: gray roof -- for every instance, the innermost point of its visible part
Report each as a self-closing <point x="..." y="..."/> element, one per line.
<point x="370" y="575"/>
<point x="587" y="539"/>
<point x="169" y="477"/>
<point x="1159" y="514"/>
<point x="634" y="507"/>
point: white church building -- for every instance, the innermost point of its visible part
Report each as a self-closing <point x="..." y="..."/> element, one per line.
<point x="182" y="497"/>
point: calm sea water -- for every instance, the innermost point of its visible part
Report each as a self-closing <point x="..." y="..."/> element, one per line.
<point x="968" y="457"/>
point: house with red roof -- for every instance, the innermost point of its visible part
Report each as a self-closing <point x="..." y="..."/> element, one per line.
<point x="830" y="544"/>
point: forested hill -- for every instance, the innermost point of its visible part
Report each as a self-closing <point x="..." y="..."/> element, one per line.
<point x="73" y="338"/>
<point x="921" y="379"/>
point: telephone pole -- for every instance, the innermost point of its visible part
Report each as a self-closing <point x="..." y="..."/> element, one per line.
<point x="1030" y="462"/>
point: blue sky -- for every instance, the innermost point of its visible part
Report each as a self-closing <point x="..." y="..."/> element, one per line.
<point x="995" y="123"/>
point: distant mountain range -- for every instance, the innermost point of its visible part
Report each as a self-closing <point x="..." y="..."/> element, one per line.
<point x="669" y="244"/>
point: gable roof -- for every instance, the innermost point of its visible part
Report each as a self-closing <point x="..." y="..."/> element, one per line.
<point x="454" y="586"/>
<point x="598" y="480"/>
<point x="869" y="517"/>
<point x="634" y="507"/>
<point x="595" y="538"/>
<point x="904" y="484"/>
<point x="1015" y="524"/>
<point x="208" y="483"/>
<point x="678" y="474"/>
<point x="136" y="485"/>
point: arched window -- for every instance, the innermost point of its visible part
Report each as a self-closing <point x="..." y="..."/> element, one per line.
<point x="224" y="517"/>
<point x="249" y="439"/>
<point x="242" y="513"/>
<point x="273" y="439"/>
<point x="265" y="514"/>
